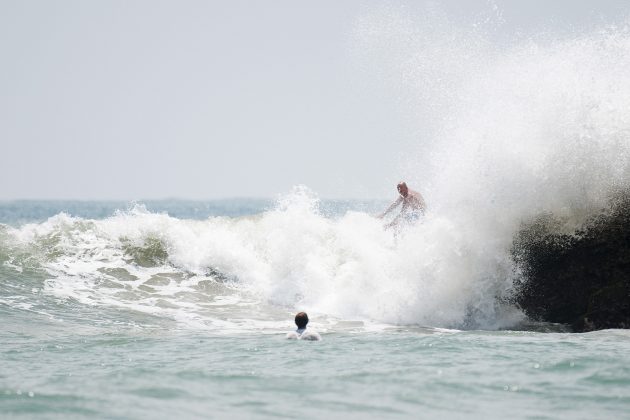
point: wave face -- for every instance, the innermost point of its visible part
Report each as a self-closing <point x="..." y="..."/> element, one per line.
<point x="224" y="272"/>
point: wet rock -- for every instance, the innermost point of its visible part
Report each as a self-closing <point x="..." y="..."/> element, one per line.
<point x="581" y="278"/>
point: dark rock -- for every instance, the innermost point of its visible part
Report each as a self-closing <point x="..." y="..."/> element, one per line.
<point x="581" y="278"/>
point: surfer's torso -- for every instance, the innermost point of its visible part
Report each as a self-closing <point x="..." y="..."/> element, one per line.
<point x="413" y="203"/>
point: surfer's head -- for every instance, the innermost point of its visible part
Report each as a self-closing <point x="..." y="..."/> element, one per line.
<point x="301" y="319"/>
<point x="402" y="188"/>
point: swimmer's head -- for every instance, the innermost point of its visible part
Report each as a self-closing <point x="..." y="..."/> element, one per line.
<point x="402" y="188"/>
<point x="301" y="319"/>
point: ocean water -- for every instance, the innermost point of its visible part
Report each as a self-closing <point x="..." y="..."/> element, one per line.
<point x="179" y="309"/>
<point x="135" y="313"/>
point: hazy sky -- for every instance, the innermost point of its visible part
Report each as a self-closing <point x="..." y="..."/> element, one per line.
<point x="129" y="99"/>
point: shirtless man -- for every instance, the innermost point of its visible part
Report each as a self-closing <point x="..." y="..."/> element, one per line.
<point x="413" y="206"/>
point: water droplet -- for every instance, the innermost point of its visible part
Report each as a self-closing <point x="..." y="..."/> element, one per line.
<point x="31" y="394"/>
<point x="536" y="366"/>
<point x="571" y="364"/>
<point x="19" y="392"/>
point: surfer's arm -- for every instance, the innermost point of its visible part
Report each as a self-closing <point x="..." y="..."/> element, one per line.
<point x="391" y="207"/>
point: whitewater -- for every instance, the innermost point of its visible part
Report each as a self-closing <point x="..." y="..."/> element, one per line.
<point x="131" y="311"/>
<point x="289" y="258"/>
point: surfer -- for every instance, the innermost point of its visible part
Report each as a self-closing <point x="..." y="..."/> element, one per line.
<point x="301" y="319"/>
<point x="413" y="206"/>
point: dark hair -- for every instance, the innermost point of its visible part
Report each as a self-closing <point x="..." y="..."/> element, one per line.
<point x="301" y="319"/>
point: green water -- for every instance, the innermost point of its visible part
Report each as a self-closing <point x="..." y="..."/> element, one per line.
<point x="53" y="369"/>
